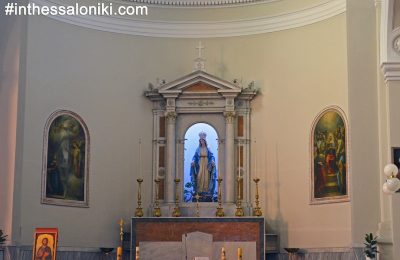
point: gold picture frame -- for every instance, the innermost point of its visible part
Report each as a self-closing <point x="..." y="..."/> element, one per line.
<point x="329" y="157"/>
<point x="65" y="174"/>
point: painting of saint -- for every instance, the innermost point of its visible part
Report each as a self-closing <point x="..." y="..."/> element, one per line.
<point x="65" y="160"/>
<point x="44" y="251"/>
<point x="329" y="157"/>
<point x="45" y="244"/>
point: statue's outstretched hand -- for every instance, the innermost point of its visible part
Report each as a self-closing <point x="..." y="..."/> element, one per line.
<point x="212" y="163"/>
<point x="192" y="164"/>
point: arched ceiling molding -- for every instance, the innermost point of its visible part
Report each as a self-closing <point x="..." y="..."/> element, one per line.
<point x="199" y="3"/>
<point x="203" y="29"/>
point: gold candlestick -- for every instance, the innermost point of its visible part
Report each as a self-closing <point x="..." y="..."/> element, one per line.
<point x="121" y="230"/>
<point x="220" y="210"/>
<point x="197" y="205"/>
<point x="139" y="210"/>
<point x="157" y="210"/>
<point x="257" y="210"/>
<point x="121" y="234"/>
<point x="239" y="210"/>
<point x="177" y="211"/>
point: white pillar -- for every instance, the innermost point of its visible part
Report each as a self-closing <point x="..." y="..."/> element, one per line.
<point x="229" y="181"/>
<point x="170" y="163"/>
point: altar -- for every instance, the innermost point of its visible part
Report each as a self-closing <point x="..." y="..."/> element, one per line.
<point x="201" y="168"/>
<point x="184" y="237"/>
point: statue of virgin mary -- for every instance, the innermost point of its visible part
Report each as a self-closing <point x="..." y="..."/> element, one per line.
<point x="203" y="170"/>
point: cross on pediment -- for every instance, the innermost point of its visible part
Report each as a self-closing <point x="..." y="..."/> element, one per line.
<point x="200" y="48"/>
<point x="199" y="63"/>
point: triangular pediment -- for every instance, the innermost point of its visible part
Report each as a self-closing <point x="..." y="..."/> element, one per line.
<point x="200" y="87"/>
<point x="199" y="82"/>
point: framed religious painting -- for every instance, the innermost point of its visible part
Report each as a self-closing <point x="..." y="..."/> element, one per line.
<point x="65" y="173"/>
<point x="45" y="244"/>
<point x="396" y="158"/>
<point x="329" y="157"/>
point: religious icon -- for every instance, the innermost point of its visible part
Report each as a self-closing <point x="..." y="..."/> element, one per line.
<point x="45" y="244"/>
<point x="203" y="171"/>
<point x="65" y="165"/>
<point x="329" y="155"/>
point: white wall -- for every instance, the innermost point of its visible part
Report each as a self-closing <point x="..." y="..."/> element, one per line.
<point x="12" y="47"/>
<point x="363" y="114"/>
<point x="102" y="76"/>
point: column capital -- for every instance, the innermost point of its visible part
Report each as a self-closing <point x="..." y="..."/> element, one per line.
<point x="171" y="116"/>
<point x="229" y="115"/>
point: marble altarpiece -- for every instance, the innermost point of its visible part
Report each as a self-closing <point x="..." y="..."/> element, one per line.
<point x="202" y="97"/>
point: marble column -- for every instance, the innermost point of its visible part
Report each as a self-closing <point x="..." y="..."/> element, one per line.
<point x="229" y="181"/>
<point x="170" y="162"/>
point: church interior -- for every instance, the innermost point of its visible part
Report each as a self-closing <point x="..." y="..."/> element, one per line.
<point x="259" y="129"/>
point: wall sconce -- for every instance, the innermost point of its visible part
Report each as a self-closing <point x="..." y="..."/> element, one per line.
<point x="392" y="183"/>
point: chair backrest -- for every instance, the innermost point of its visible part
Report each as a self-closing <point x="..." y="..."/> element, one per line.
<point x="198" y="245"/>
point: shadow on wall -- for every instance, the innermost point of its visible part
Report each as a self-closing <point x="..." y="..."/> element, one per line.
<point x="277" y="225"/>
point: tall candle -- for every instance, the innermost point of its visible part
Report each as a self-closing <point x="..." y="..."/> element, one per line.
<point x="239" y="160"/>
<point x="265" y="159"/>
<point x="219" y="153"/>
<point x="255" y="158"/>
<point x="239" y="253"/>
<point x="140" y="157"/>
<point x="178" y="155"/>
<point x="239" y="193"/>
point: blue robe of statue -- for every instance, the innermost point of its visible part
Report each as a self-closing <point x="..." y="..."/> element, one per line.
<point x="194" y="171"/>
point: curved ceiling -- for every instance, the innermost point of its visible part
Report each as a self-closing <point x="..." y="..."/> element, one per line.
<point x="204" y="18"/>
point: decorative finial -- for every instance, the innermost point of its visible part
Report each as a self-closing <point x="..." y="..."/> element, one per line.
<point x="202" y="135"/>
<point x="199" y="61"/>
<point x="161" y="82"/>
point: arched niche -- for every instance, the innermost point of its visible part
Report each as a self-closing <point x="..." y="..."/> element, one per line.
<point x="191" y="144"/>
<point x="201" y="97"/>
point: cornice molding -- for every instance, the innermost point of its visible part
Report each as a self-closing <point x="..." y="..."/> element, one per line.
<point x="204" y="29"/>
<point x="199" y="3"/>
<point x="391" y="71"/>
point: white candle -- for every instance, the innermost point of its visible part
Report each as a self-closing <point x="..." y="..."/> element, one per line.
<point x="255" y="158"/>
<point x="218" y="159"/>
<point x="140" y="157"/>
<point x="265" y="159"/>
<point x="239" y="161"/>
<point x="176" y="172"/>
